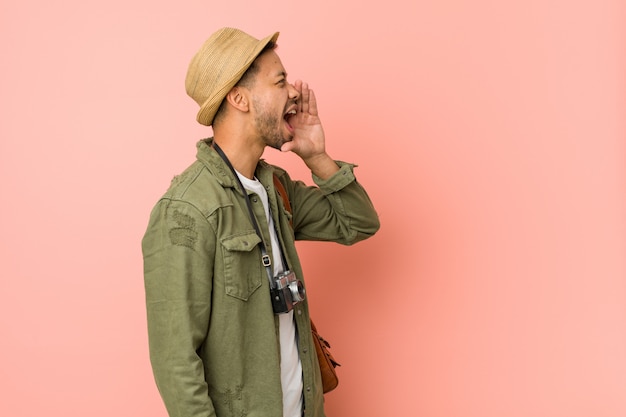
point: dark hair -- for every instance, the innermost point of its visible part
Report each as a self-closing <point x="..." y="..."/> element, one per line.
<point x="246" y="80"/>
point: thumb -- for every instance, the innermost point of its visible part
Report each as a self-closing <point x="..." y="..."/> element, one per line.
<point x="287" y="147"/>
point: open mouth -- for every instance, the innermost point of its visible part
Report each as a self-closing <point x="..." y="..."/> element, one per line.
<point x="288" y="117"/>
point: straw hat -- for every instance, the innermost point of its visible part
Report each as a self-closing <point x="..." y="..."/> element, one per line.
<point x="218" y="66"/>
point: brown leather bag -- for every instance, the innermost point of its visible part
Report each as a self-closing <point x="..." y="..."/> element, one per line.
<point x="325" y="359"/>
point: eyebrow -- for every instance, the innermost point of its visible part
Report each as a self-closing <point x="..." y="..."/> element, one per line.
<point x="282" y="74"/>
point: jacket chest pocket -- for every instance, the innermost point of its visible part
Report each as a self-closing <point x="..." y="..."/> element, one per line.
<point x="243" y="271"/>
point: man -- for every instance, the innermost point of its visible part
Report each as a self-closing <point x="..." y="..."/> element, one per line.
<point x="228" y="319"/>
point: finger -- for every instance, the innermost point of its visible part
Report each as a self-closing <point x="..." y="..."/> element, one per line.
<point x="312" y="103"/>
<point x="287" y="147"/>
<point x="304" y="98"/>
<point x="298" y="86"/>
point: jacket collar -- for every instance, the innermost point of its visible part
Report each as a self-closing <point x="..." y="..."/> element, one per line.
<point x="216" y="165"/>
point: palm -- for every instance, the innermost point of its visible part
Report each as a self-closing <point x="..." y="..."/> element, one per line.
<point x="308" y="140"/>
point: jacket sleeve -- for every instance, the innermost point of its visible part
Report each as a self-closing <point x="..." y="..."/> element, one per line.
<point x="337" y="210"/>
<point x="178" y="282"/>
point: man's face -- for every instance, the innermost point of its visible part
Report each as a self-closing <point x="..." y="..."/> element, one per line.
<point x="273" y="101"/>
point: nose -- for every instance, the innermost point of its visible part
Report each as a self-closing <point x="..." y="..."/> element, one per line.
<point x="293" y="93"/>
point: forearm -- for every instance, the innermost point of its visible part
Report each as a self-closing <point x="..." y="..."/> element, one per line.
<point x="178" y="370"/>
<point x="338" y="210"/>
<point x="322" y="166"/>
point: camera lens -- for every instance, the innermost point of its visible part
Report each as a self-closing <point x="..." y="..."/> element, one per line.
<point x="297" y="291"/>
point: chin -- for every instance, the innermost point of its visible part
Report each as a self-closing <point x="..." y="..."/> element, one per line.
<point x="276" y="144"/>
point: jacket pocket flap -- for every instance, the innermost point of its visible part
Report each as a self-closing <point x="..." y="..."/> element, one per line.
<point x="241" y="243"/>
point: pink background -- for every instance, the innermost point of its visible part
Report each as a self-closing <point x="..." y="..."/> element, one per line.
<point x="490" y="135"/>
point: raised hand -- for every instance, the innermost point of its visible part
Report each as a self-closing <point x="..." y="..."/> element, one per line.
<point x="309" y="140"/>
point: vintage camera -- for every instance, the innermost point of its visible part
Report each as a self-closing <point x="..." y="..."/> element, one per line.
<point x="288" y="292"/>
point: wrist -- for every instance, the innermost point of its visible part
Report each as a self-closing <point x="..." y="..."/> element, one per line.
<point x="322" y="165"/>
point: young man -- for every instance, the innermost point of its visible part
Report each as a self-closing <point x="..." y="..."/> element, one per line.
<point x="228" y="319"/>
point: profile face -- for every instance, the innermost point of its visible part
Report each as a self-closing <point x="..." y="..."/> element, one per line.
<point x="273" y="101"/>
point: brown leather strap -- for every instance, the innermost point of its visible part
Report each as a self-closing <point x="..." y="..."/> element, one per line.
<point x="283" y="194"/>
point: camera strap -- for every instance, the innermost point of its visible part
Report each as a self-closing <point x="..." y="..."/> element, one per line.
<point x="265" y="258"/>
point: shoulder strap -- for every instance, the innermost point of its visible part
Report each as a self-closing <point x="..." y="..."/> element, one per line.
<point x="283" y="194"/>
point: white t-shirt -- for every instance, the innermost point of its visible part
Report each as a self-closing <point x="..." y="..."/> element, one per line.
<point x="290" y="366"/>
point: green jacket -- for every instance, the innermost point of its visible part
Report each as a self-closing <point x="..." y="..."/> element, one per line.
<point x="213" y="336"/>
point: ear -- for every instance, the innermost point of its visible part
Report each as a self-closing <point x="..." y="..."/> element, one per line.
<point x="238" y="98"/>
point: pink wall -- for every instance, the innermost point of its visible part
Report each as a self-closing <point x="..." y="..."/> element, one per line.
<point x="491" y="136"/>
